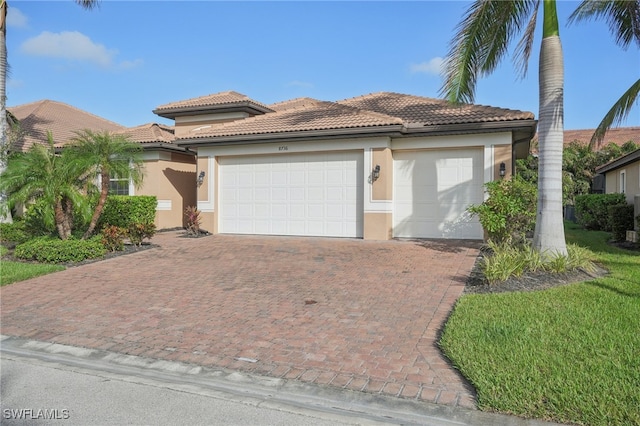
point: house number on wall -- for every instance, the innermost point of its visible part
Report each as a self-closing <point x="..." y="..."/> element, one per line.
<point x="283" y="148"/>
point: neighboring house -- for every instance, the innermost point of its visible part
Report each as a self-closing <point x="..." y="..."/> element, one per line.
<point x="378" y="166"/>
<point x="170" y="170"/>
<point x="622" y="175"/>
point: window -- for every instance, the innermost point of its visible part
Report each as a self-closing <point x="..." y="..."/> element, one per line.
<point x="623" y="181"/>
<point x="118" y="186"/>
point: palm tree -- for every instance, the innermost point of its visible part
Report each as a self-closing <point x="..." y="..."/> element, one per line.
<point x="57" y="180"/>
<point x="624" y="22"/>
<point x="482" y="40"/>
<point x="106" y="155"/>
<point x="5" y="213"/>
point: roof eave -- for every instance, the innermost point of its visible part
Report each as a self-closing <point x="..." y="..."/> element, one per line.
<point x="248" y="107"/>
<point x="526" y="128"/>
<point x="620" y="162"/>
<point x="164" y="146"/>
<point x="395" y="129"/>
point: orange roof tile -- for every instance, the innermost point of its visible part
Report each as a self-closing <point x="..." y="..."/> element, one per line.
<point x="373" y="110"/>
<point x="617" y="135"/>
<point x="222" y="99"/>
<point x="62" y="120"/>
<point x="149" y="133"/>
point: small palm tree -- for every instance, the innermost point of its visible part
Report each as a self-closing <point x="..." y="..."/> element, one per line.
<point x="5" y="213"/>
<point x="105" y="155"/>
<point x="624" y="22"/>
<point x="41" y="174"/>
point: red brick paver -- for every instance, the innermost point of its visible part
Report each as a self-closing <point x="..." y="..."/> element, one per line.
<point x="360" y="315"/>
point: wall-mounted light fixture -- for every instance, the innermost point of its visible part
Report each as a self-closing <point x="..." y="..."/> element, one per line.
<point x="375" y="174"/>
<point x="503" y="169"/>
<point x="201" y="178"/>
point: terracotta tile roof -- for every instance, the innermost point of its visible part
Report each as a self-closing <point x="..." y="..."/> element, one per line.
<point x="617" y="135"/>
<point x="62" y="120"/>
<point x="149" y="133"/>
<point x="222" y="99"/>
<point x="300" y="115"/>
<point x="374" y="110"/>
<point x="418" y="110"/>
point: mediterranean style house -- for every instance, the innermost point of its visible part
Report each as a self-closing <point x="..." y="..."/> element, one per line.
<point x="170" y="171"/>
<point x="379" y="166"/>
<point x="622" y="175"/>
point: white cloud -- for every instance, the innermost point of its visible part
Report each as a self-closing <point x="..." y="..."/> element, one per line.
<point x="434" y="66"/>
<point x="15" y="18"/>
<point x="69" y="45"/>
<point x="297" y="83"/>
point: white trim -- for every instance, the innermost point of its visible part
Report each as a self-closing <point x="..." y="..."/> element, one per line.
<point x="164" y="205"/>
<point x="453" y="141"/>
<point x="622" y="181"/>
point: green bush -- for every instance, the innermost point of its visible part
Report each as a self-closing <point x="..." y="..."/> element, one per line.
<point x="509" y="212"/>
<point x="506" y="261"/>
<point x="13" y="233"/>
<point x="139" y="231"/>
<point x="621" y="220"/>
<point x="592" y="210"/>
<point x="38" y="219"/>
<point x="54" y="250"/>
<point x="124" y="210"/>
<point x="112" y="238"/>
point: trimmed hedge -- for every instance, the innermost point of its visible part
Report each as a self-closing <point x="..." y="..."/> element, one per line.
<point x="124" y="211"/>
<point x="55" y="250"/>
<point x="621" y="218"/>
<point x="13" y="233"/>
<point x="592" y="210"/>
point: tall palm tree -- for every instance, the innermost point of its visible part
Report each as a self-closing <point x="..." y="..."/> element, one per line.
<point x="57" y="180"/>
<point x="481" y="41"/>
<point x="5" y="213"/>
<point x="106" y="155"/>
<point x="623" y="18"/>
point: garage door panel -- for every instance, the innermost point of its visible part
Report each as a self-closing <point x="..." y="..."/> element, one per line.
<point x="307" y="194"/>
<point x="432" y="191"/>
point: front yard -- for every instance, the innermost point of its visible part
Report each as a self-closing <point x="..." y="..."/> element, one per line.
<point x="568" y="354"/>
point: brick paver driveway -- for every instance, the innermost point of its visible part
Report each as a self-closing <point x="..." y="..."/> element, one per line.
<point x="361" y="315"/>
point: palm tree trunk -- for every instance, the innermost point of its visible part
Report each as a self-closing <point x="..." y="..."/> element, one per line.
<point x="549" y="231"/>
<point x="104" y="191"/>
<point x="5" y="212"/>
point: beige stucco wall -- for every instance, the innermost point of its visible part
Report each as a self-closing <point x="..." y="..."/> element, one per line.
<point x="171" y="178"/>
<point x="612" y="182"/>
<point x="382" y="189"/>
<point x="207" y="203"/>
<point x="185" y="125"/>
<point x="502" y="154"/>
<point x="378" y="226"/>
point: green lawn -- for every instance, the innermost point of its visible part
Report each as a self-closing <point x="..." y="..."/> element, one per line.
<point x="11" y="272"/>
<point x="569" y="354"/>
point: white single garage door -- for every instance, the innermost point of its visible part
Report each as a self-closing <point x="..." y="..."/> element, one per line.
<point x="316" y="194"/>
<point x="432" y="190"/>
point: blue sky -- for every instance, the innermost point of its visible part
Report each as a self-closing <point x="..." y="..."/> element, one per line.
<point x="124" y="59"/>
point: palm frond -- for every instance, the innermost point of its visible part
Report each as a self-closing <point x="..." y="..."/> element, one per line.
<point x="622" y="16"/>
<point x="525" y="45"/>
<point x="481" y="41"/>
<point x="617" y="113"/>
<point x="88" y="4"/>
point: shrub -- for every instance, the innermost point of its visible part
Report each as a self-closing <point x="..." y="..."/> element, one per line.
<point x="38" y="220"/>
<point x="192" y="214"/>
<point x="54" y="250"/>
<point x="113" y="238"/>
<point x="621" y="220"/>
<point x="592" y="210"/>
<point x="13" y="233"/>
<point x="139" y="231"/>
<point x="125" y="210"/>
<point x="506" y="261"/>
<point x="509" y="212"/>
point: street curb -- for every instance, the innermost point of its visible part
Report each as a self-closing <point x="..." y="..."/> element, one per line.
<point x="267" y="392"/>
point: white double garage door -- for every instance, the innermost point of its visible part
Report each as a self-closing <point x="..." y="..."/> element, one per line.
<point x="322" y="194"/>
